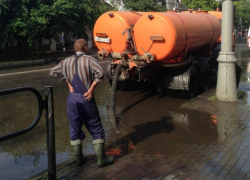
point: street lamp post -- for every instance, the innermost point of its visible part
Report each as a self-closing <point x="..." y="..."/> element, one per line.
<point x="226" y="84"/>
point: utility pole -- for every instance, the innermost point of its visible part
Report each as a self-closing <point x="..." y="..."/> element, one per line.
<point x="226" y="83"/>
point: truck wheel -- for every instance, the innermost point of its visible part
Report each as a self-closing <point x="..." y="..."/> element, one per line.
<point x="205" y="77"/>
<point x="193" y="85"/>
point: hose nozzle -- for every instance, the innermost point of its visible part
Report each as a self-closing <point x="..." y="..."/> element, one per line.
<point x="102" y="54"/>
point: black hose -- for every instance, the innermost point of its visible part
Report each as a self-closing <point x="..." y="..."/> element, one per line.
<point x="112" y="96"/>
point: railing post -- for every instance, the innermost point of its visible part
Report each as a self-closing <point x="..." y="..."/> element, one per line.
<point x="50" y="133"/>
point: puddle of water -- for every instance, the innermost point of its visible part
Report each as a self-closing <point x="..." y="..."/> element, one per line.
<point x="156" y="125"/>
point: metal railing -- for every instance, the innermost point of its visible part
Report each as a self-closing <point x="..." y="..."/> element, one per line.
<point x="48" y="105"/>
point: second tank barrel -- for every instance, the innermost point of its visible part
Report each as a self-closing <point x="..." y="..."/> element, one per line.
<point x="167" y="35"/>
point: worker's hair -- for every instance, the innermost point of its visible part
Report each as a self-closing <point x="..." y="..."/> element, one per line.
<point x="80" y="45"/>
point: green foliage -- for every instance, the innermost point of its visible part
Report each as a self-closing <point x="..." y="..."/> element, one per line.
<point x="242" y="13"/>
<point x="212" y="98"/>
<point x="241" y="9"/>
<point x="203" y="4"/>
<point x="25" y="22"/>
<point x="145" y="5"/>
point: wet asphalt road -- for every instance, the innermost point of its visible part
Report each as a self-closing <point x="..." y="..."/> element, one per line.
<point x="149" y="124"/>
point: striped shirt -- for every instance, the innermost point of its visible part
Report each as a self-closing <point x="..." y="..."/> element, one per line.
<point x="89" y="69"/>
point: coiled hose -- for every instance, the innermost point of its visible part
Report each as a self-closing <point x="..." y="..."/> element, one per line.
<point x="112" y="96"/>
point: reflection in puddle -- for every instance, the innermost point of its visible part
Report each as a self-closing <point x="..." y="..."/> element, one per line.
<point x="149" y="135"/>
<point x="217" y="125"/>
<point x="200" y="126"/>
<point x="181" y="120"/>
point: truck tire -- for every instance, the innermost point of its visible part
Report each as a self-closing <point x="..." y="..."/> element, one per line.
<point x="205" y="77"/>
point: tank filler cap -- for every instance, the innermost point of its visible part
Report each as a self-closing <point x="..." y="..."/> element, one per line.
<point x="150" y="16"/>
<point x="111" y="15"/>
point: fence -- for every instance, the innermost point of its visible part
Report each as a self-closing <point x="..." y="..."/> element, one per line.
<point x="48" y="105"/>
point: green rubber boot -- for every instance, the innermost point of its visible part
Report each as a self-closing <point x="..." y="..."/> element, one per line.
<point x="77" y="149"/>
<point x="102" y="159"/>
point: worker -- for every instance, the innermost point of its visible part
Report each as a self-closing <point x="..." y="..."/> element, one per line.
<point x="82" y="74"/>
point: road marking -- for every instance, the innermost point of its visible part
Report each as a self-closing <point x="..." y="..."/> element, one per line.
<point x="39" y="70"/>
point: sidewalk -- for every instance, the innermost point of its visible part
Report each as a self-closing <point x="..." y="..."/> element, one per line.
<point x="227" y="156"/>
<point x="44" y="58"/>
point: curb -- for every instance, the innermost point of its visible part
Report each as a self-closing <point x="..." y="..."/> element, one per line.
<point x="23" y="63"/>
<point x="12" y="64"/>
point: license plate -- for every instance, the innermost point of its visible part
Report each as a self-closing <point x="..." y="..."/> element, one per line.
<point x="105" y="40"/>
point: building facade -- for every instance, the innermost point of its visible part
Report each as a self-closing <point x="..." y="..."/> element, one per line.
<point x="173" y="4"/>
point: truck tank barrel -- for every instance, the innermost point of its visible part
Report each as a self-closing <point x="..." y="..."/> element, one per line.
<point x="176" y="32"/>
<point x="112" y="30"/>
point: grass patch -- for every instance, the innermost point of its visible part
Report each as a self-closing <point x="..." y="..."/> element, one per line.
<point x="212" y="98"/>
<point x="241" y="94"/>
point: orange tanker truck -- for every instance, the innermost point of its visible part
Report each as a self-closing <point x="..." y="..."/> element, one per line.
<point x="174" y="51"/>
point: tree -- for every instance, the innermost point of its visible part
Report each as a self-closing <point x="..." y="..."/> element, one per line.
<point x="242" y="14"/>
<point x="145" y="5"/>
<point x="203" y="4"/>
<point x="25" y="22"/>
<point x="241" y="9"/>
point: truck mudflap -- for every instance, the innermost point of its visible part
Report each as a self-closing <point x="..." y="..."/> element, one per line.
<point x="181" y="80"/>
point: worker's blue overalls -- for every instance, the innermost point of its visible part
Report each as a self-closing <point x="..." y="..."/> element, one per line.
<point x="81" y="111"/>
